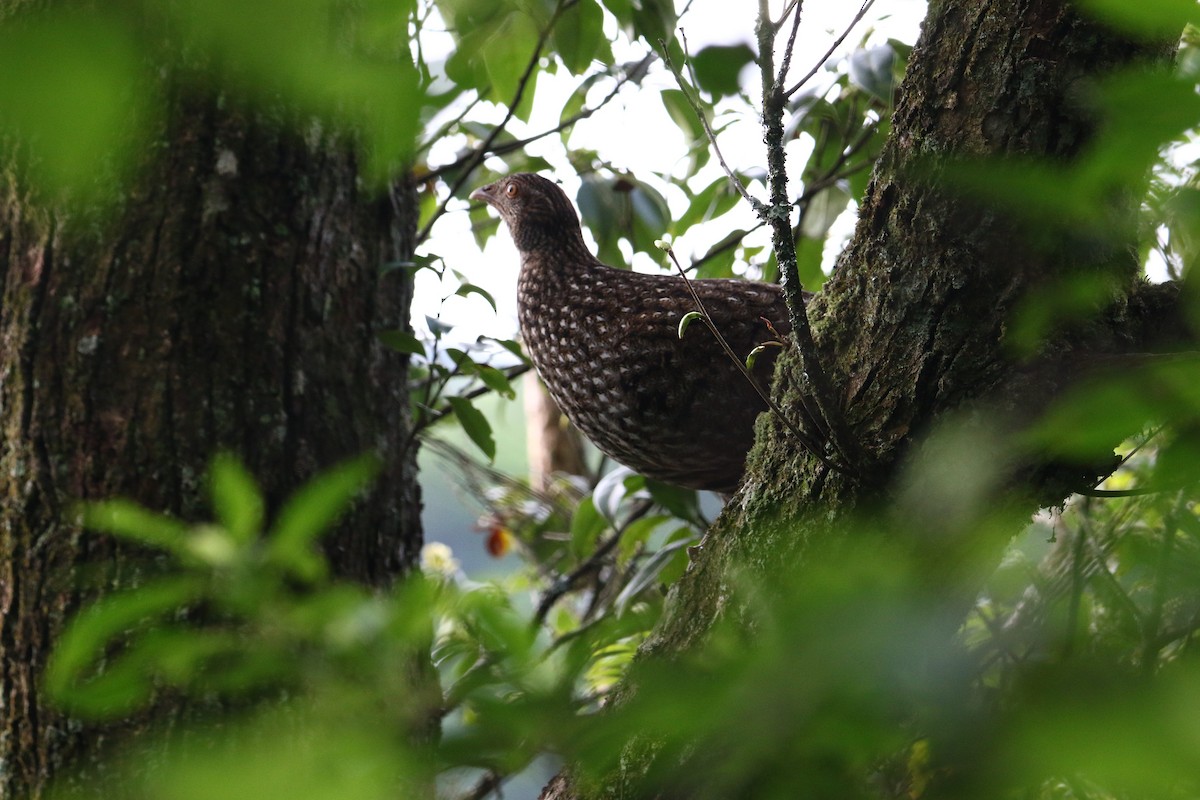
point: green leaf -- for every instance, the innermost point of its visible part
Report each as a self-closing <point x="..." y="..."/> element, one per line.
<point x="75" y="93"/>
<point x="709" y="203"/>
<point x="475" y="424"/>
<point x="680" y="110"/>
<point x="312" y="511"/>
<point x="823" y="211"/>
<point x="577" y="100"/>
<point x="402" y="342"/>
<point x="719" y="66"/>
<point x="236" y="499"/>
<point x="129" y="521"/>
<point x="683" y="503"/>
<point x="808" y="263"/>
<point x="600" y="211"/>
<point x="1152" y="18"/>
<point x="417" y="263"/>
<point x="87" y="637"/>
<point x="638" y="533"/>
<point x="579" y="36"/>
<point x="506" y="54"/>
<point x="622" y="10"/>
<point x="871" y="69"/>
<point x="752" y="358"/>
<point x="511" y="346"/>
<point x="496" y="380"/>
<point x="586" y="527"/>
<point x="468" y="289"/>
<point x="651" y="216"/>
<point x="654" y="21"/>
<point x="648" y="575"/>
<point x="437" y="326"/>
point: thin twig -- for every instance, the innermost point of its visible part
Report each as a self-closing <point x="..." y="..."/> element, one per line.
<point x="787" y="52"/>
<point x="480" y="152"/>
<point x="807" y="441"/>
<point x="862" y="12"/>
<point x="443" y="131"/>
<point x="565" y="584"/>
<point x="633" y="74"/>
<point x="684" y="87"/>
<point x="778" y="216"/>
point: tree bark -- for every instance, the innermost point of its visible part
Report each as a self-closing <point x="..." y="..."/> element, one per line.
<point x="231" y="302"/>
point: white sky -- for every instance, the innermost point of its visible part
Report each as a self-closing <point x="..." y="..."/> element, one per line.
<point x="613" y="133"/>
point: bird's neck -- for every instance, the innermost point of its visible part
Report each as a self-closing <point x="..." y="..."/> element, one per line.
<point x="560" y="249"/>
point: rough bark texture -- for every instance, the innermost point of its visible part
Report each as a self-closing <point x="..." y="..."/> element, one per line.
<point x="231" y="303"/>
<point x="912" y="326"/>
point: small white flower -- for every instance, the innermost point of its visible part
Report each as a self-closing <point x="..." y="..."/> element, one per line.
<point x="438" y="559"/>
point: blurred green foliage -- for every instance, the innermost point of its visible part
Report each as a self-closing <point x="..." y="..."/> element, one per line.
<point x="847" y="676"/>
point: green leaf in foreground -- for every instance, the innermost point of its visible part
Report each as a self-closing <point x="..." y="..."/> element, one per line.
<point x="312" y="511"/>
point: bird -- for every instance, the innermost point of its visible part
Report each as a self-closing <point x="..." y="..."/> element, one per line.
<point x="606" y="343"/>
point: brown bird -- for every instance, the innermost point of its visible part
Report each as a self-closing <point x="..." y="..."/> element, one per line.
<point x="605" y="342"/>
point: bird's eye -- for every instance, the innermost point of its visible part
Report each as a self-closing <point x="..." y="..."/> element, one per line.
<point x="511" y="190"/>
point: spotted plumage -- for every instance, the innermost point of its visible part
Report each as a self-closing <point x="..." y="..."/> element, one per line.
<point x="605" y="343"/>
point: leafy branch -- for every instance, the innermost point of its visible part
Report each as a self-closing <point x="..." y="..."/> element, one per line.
<point x="481" y="151"/>
<point x="633" y="74"/>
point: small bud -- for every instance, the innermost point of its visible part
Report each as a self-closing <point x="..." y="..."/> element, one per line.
<point x="663" y="244"/>
<point x="750" y="359"/>
<point x="686" y="320"/>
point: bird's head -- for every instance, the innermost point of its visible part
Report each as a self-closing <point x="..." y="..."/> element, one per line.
<point x="537" y="212"/>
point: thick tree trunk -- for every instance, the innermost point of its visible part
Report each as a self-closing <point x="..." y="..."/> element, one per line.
<point x="231" y="303"/>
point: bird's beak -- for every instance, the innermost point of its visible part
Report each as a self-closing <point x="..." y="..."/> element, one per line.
<point x="481" y="193"/>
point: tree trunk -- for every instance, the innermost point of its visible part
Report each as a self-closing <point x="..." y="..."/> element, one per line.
<point x="912" y="325"/>
<point x="552" y="444"/>
<point x="231" y="302"/>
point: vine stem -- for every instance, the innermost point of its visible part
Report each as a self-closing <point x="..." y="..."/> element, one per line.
<point x="810" y="444"/>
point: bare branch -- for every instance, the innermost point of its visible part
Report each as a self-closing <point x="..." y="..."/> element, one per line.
<point x="862" y="12"/>
<point x="791" y="46"/>
<point x="778" y="216"/>
<point x="634" y="74"/>
<point x="684" y="88"/>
